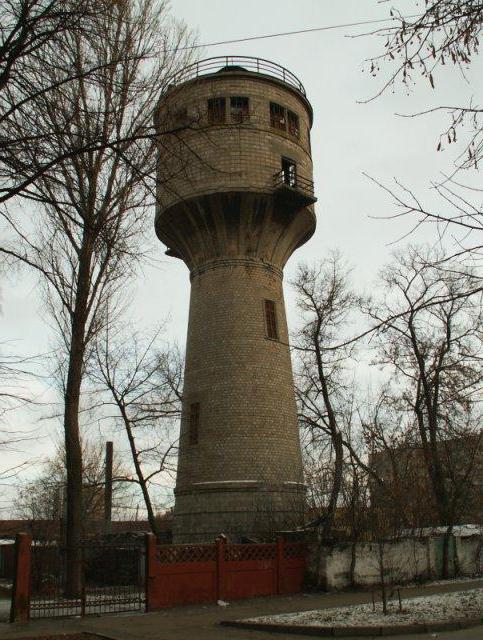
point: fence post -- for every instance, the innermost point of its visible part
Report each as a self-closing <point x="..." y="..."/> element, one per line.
<point x="150" y="551"/>
<point x="220" y="567"/>
<point x="280" y="553"/>
<point x="20" y="605"/>
<point x="83" y="579"/>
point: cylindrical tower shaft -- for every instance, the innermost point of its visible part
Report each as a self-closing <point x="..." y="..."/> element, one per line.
<point x="239" y="440"/>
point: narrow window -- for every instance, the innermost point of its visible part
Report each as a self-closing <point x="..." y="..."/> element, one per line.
<point x="239" y="108"/>
<point x="194" y="425"/>
<point x="289" y="172"/>
<point x="277" y="116"/>
<point x="271" y="320"/>
<point x="216" y="110"/>
<point x="180" y="117"/>
<point x="293" y="124"/>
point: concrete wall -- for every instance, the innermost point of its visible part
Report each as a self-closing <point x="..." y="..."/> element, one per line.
<point x="469" y="556"/>
<point x="406" y="560"/>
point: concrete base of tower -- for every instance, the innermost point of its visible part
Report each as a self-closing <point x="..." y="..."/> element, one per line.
<point x="237" y="509"/>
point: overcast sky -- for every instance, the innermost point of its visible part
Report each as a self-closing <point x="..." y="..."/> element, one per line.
<point x="350" y="137"/>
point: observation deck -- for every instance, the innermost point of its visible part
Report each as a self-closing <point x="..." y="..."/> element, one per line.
<point x="227" y="64"/>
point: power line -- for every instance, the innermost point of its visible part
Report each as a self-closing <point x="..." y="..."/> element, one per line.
<point x="292" y="33"/>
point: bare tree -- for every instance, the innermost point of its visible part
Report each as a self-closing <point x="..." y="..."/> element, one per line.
<point x="14" y="370"/>
<point x="143" y="384"/>
<point x="35" y="36"/>
<point x="323" y="385"/>
<point x="356" y="502"/>
<point x="445" y="33"/>
<point x="459" y="211"/>
<point x="30" y="27"/>
<point x="433" y="353"/>
<point x="15" y="374"/>
<point x="32" y="33"/>
<point x="389" y="440"/>
<point x="43" y="499"/>
<point x="85" y="235"/>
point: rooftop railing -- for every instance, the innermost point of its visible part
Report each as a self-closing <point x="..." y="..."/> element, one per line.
<point x="237" y="63"/>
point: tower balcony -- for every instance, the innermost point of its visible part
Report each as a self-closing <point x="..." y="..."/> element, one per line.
<point x="293" y="189"/>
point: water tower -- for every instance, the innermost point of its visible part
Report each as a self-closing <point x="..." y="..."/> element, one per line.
<point x="235" y="199"/>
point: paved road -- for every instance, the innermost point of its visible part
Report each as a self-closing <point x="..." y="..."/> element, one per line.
<point x="201" y="622"/>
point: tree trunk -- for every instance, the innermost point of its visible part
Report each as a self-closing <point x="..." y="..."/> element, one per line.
<point x="442" y="505"/>
<point x="336" y="485"/>
<point x="445" y="562"/>
<point x="336" y="437"/>
<point x="73" y="449"/>
<point x="382" y="577"/>
<point x="73" y="454"/>
<point x="352" y="568"/>
<point x="139" y="472"/>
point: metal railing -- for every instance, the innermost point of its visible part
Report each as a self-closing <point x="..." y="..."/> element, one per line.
<point x="236" y="63"/>
<point x="112" y="580"/>
<point x="284" y="178"/>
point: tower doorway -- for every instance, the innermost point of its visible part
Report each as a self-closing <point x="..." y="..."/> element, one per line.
<point x="289" y="172"/>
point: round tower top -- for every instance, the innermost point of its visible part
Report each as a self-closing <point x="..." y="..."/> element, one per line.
<point x="239" y="65"/>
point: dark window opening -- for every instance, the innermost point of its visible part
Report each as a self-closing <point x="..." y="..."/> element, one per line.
<point x="271" y="320"/>
<point x="277" y="116"/>
<point x="293" y="124"/>
<point x="289" y="172"/>
<point x="239" y="109"/>
<point x="194" y="424"/>
<point x="180" y="117"/>
<point x="216" y="110"/>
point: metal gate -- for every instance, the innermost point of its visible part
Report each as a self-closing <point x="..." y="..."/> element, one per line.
<point x="113" y="579"/>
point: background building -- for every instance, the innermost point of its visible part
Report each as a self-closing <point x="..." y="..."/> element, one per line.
<point x="406" y="495"/>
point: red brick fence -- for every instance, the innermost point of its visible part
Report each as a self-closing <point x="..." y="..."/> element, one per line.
<point x="169" y="575"/>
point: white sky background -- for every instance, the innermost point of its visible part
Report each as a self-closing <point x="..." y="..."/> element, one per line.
<point x="348" y="138"/>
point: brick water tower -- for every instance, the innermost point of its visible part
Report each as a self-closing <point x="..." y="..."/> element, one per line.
<point x="235" y="199"/>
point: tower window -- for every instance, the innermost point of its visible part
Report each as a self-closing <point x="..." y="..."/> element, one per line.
<point x="194" y="424"/>
<point x="239" y="108"/>
<point x="293" y="123"/>
<point x="289" y="172"/>
<point x="216" y="110"/>
<point x="271" y="320"/>
<point x="180" y="117"/>
<point x="277" y="116"/>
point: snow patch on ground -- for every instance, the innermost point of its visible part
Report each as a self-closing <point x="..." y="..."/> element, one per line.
<point x="458" y="531"/>
<point x="446" y="607"/>
<point x="437" y="583"/>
